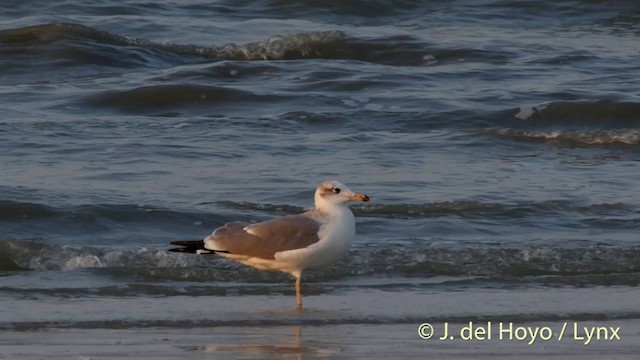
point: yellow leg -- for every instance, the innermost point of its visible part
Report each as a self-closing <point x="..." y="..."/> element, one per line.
<point x="298" y="293"/>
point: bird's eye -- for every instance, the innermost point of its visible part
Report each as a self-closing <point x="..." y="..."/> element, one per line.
<point x="336" y="190"/>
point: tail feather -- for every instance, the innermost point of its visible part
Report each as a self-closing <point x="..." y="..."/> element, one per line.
<point x="192" y="247"/>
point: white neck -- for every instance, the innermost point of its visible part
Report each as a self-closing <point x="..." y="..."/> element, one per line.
<point x="329" y="207"/>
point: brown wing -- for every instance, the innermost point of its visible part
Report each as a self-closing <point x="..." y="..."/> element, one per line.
<point x="265" y="239"/>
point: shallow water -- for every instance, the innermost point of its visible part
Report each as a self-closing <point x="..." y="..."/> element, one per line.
<point x="499" y="140"/>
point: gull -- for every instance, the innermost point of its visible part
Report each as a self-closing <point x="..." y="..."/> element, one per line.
<point x="291" y="244"/>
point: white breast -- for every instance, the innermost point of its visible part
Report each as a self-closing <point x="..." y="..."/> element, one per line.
<point x="336" y="236"/>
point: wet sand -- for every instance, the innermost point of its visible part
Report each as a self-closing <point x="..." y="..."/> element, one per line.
<point x="383" y="341"/>
<point x="374" y="324"/>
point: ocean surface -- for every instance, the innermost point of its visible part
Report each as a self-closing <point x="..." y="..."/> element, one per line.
<point x="499" y="141"/>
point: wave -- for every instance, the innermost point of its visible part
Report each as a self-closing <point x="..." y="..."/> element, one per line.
<point x="166" y="97"/>
<point x="80" y="223"/>
<point x="590" y="123"/>
<point x="461" y="208"/>
<point x="156" y="264"/>
<point x="621" y="137"/>
<point x="64" y="44"/>
<point x="22" y="210"/>
<point x="398" y="50"/>
<point x="50" y="33"/>
<point x="14" y="211"/>
<point x="78" y="44"/>
<point x="353" y="10"/>
<point x="597" y="123"/>
<point x="602" y="114"/>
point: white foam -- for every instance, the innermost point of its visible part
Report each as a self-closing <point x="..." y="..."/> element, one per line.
<point x="597" y="137"/>
<point x="86" y="261"/>
<point x="276" y="47"/>
<point x="525" y="112"/>
<point x="429" y="60"/>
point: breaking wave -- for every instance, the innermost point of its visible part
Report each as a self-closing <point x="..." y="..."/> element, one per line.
<point x="156" y="264"/>
<point x="78" y="44"/>
<point x="595" y="114"/>
<point x="621" y="137"/>
<point x="597" y="123"/>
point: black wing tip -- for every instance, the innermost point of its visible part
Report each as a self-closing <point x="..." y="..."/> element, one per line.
<point x="188" y="243"/>
<point x="188" y="246"/>
<point x="193" y="247"/>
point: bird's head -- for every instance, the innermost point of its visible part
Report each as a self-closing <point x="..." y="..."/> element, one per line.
<point x="335" y="193"/>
